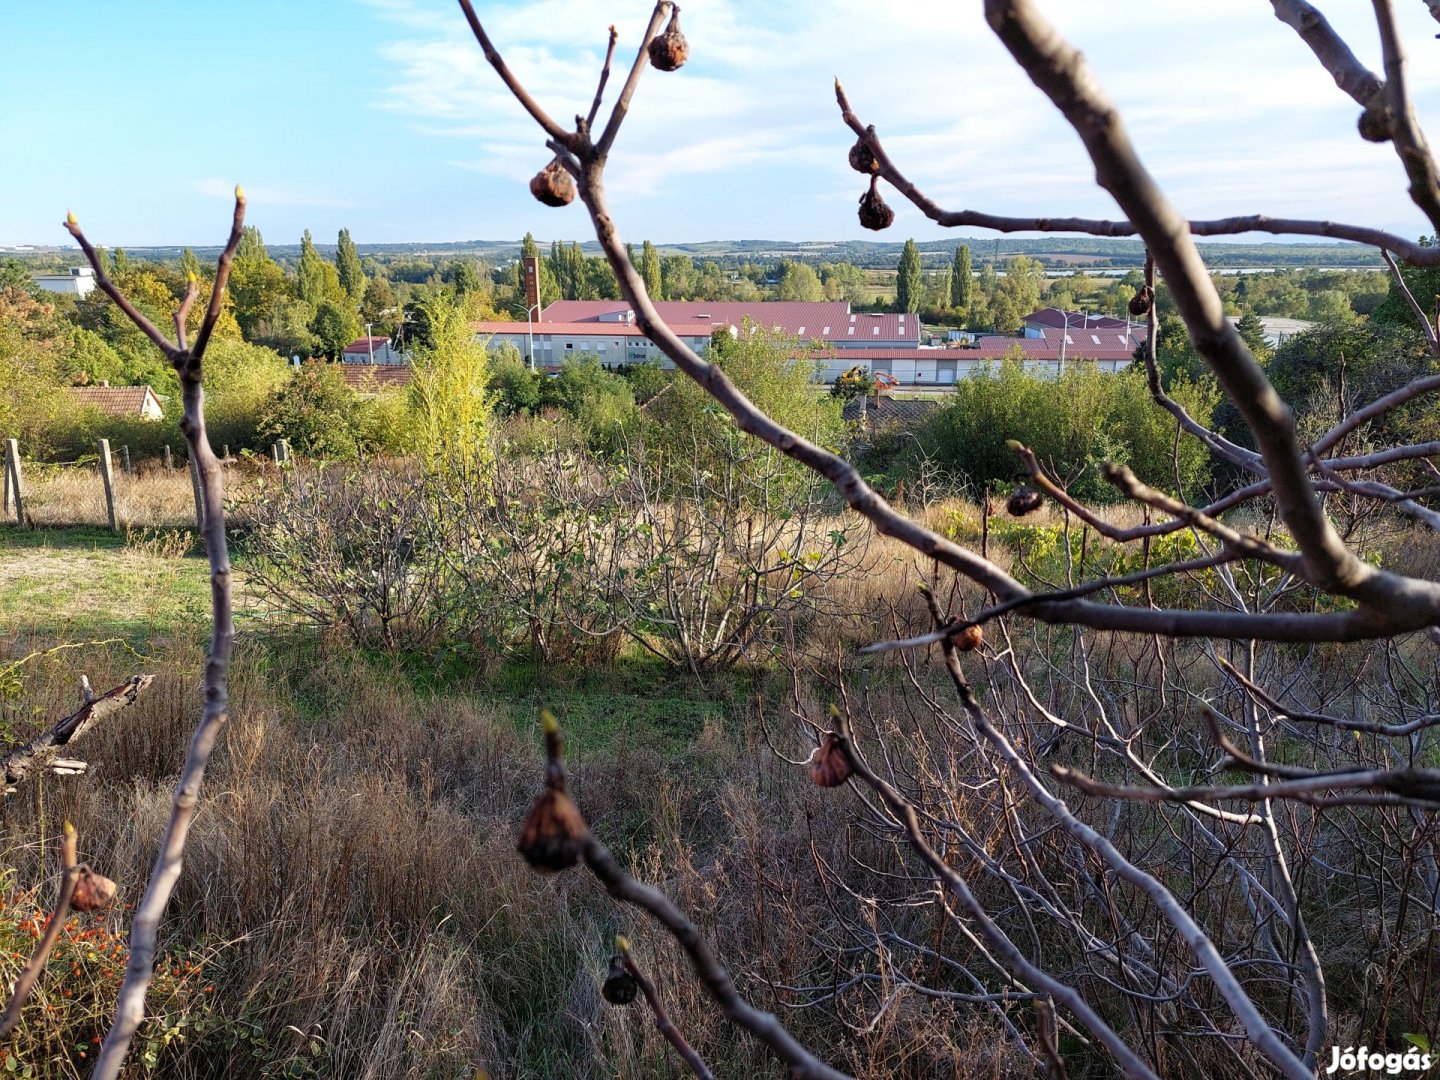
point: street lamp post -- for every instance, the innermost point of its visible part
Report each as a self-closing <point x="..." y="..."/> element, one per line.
<point x="1065" y="333"/>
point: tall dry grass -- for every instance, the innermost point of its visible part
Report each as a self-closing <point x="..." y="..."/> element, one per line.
<point x="151" y="496"/>
<point x="353" y="869"/>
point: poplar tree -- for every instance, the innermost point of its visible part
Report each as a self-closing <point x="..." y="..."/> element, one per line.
<point x="960" y="280"/>
<point x="909" y="288"/>
<point x="650" y="271"/>
<point x="347" y="262"/>
<point x="311" y="273"/>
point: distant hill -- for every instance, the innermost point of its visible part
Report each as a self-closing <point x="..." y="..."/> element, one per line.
<point x="1077" y="252"/>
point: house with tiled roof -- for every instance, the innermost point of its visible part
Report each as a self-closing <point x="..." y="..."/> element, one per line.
<point x="373" y="350"/>
<point x="130" y="402"/>
<point x="831" y="335"/>
<point x="606" y="329"/>
<point x="375" y="378"/>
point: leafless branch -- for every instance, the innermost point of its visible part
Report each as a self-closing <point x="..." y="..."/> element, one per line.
<point x="1339" y="723"/>
<point x="1420" y="313"/>
<point x="1418" y="792"/>
<point x="555" y="837"/>
<point x="1405" y="130"/>
<point x="21" y="761"/>
<point x="604" y="78"/>
<point x="169" y="860"/>
<point x="30" y="974"/>
<point x="1330" y="49"/>
<point x="1409" y="250"/>
<point x="663" y="1023"/>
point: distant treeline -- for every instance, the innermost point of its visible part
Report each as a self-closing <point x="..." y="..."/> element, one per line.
<point x="1086" y="251"/>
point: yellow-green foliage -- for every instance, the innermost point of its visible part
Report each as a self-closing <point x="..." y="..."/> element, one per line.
<point x="1074" y="423"/>
<point x="449" y="399"/>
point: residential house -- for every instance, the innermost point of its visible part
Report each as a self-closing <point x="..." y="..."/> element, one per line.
<point x="129" y="402"/>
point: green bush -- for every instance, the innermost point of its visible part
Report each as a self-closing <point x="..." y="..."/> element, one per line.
<point x="1073" y="423"/>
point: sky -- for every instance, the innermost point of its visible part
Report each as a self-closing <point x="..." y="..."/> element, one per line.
<point x="382" y="116"/>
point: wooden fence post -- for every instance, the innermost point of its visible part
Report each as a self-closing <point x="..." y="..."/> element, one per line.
<point x="107" y="476"/>
<point x="169" y="461"/>
<point x="125" y="455"/>
<point x="285" y="451"/>
<point x="16" y="484"/>
<point x="199" y="494"/>
<point x="275" y="452"/>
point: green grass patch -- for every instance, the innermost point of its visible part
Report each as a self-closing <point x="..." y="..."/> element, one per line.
<point x="88" y="582"/>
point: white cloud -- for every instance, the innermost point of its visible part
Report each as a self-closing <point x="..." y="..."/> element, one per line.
<point x="272" y="195"/>
<point x="1228" y="108"/>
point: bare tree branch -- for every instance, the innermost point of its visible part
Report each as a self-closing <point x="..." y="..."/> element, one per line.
<point x="1405" y="130"/>
<point x="555" y="836"/>
<point x="663" y="1023"/>
<point x="21" y="761"/>
<point x="169" y="860"/>
<point x="1330" y="49"/>
<point x="30" y="974"/>
<point x="1409" y="250"/>
<point x="1420" y="313"/>
<point x="1339" y="723"/>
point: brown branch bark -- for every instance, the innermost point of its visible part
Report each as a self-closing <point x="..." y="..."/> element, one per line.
<point x="1410" y="251"/>
<point x="1405" y="133"/>
<point x="21" y="761"/>
<point x="30" y="974"/>
<point x="663" y="1023"/>
<point x="169" y="860"/>
<point x="1330" y="49"/>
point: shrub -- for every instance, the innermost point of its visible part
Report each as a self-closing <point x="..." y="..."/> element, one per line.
<point x="1074" y="423"/>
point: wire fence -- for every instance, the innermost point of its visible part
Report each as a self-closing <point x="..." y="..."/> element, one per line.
<point x="156" y="493"/>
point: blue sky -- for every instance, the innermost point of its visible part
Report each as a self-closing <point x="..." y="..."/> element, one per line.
<point x="382" y="116"/>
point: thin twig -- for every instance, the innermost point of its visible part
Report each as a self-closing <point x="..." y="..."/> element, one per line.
<point x="622" y="103"/>
<point x="169" y="860"/>
<point x="30" y="974"/>
<point x="604" y="78"/>
<point x="1339" y="723"/>
<point x="1410" y="251"/>
<point x="663" y="1023"/>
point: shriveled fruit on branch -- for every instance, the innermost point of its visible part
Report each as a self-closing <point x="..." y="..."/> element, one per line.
<point x="874" y="213"/>
<point x="968" y="639"/>
<point x="830" y="764"/>
<point x="670" y="49"/>
<point x="92" y="891"/>
<point x="1374" y="125"/>
<point x="862" y="159"/>
<point x="553" y="833"/>
<point x="619" y="986"/>
<point x="1142" y="301"/>
<point x="552" y="185"/>
<point x="1024" y="500"/>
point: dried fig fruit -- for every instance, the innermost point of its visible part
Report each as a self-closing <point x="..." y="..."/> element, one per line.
<point x="862" y="160"/>
<point x="553" y="833"/>
<point x="670" y="49"/>
<point x="968" y="639"/>
<point x="1142" y="302"/>
<point x="552" y="185"/>
<point x="619" y="987"/>
<point x="92" y="891"/>
<point x="874" y="213"/>
<point x="830" y="764"/>
<point x="1024" y="500"/>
